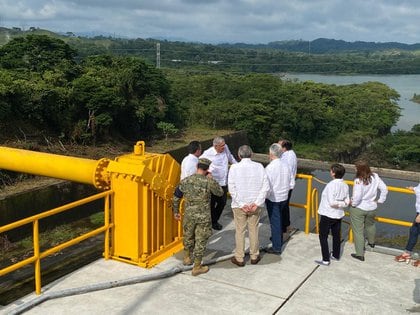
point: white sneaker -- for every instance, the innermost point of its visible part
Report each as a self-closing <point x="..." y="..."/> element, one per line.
<point x="322" y="263"/>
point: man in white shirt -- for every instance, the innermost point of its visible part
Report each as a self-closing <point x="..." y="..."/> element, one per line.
<point x="281" y="180"/>
<point x="220" y="157"/>
<point x="288" y="156"/>
<point x="248" y="187"/>
<point x="189" y="163"/>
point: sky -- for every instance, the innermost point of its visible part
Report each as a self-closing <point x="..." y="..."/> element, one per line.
<point x="222" y="21"/>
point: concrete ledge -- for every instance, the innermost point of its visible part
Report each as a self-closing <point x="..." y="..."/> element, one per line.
<point x="325" y="165"/>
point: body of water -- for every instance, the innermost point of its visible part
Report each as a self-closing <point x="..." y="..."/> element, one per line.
<point x="405" y="85"/>
<point x="398" y="206"/>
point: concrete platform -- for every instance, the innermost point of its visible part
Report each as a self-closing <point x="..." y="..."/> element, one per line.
<point x="288" y="284"/>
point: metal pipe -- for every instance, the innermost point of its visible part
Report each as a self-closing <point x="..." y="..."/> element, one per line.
<point x="75" y="169"/>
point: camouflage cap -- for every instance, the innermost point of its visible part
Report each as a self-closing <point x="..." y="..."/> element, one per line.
<point x="204" y="161"/>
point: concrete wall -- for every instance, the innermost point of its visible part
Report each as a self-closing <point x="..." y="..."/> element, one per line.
<point x="37" y="200"/>
<point x="323" y="165"/>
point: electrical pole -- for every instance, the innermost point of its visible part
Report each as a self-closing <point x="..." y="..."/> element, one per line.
<point x="158" y="55"/>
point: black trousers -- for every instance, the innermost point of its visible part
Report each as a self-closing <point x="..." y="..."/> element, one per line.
<point x="217" y="205"/>
<point x="285" y="215"/>
<point x="325" y="225"/>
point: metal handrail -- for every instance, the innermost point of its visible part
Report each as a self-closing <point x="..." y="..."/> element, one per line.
<point x="38" y="255"/>
<point x="377" y="218"/>
<point x="310" y="206"/>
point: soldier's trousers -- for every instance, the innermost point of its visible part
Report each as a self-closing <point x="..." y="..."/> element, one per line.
<point x="196" y="235"/>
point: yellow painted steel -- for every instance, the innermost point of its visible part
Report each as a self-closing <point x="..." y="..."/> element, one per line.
<point x="58" y="166"/>
<point x="145" y="232"/>
<point x="37" y="256"/>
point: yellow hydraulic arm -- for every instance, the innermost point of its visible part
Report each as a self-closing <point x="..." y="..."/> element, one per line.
<point x="75" y="169"/>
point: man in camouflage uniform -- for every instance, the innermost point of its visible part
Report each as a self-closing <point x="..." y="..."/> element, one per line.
<point x="196" y="190"/>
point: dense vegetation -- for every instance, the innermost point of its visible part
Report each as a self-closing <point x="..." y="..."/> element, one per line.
<point x="49" y="87"/>
<point x="318" y="56"/>
<point x="266" y="60"/>
<point x="43" y="86"/>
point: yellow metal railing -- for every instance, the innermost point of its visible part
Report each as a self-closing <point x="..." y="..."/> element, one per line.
<point x="315" y="203"/>
<point x="310" y="206"/>
<point x="38" y="255"/>
<point x="309" y="202"/>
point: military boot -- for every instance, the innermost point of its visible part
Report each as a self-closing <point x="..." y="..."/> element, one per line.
<point x="198" y="268"/>
<point x="187" y="261"/>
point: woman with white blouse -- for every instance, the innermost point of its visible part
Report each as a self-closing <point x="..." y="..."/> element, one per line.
<point x="364" y="207"/>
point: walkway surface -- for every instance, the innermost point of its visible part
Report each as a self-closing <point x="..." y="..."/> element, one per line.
<point x="288" y="284"/>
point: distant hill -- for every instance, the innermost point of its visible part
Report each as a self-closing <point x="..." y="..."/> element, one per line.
<point x="325" y="45"/>
<point x="317" y="46"/>
<point x="318" y="56"/>
<point x="6" y="34"/>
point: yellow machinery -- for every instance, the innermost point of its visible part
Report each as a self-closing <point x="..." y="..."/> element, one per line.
<point x="144" y="232"/>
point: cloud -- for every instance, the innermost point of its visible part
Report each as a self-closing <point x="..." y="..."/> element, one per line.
<point x="251" y="21"/>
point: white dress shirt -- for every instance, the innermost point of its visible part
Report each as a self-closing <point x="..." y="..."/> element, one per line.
<point x="364" y="196"/>
<point x="189" y="165"/>
<point x="281" y="180"/>
<point x="219" y="163"/>
<point x="247" y="183"/>
<point x="417" y="192"/>
<point x="290" y="158"/>
<point x="336" y="193"/>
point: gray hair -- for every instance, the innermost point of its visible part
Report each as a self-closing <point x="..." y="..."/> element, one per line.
<point x="275" y="149"/>
<point x="244" y="151"/>
<point x="218" y="140"/>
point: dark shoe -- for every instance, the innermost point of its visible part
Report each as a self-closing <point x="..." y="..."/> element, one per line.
<point x="237" y="263"/>
<point x="361" y="258"/>
<point x="256" y="260"/>
<point x="322" y="263"/>
<point x="217" y="226"/>
<point x="272" y="251"/>
<point x="371" y="245"/>
<point x="334" y="258"/>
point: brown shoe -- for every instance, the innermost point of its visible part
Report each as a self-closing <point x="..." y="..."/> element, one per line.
<point x="187" y="261"/>
<point x="198" y="270"/>
<point x="404" y="257"/>
<point x="237" y="263"/>
<point x="256" y="260"/>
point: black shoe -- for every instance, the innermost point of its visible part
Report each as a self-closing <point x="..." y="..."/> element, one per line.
<point x="272" y="251"/>
<point x="361" y="258"/>
<point x="237" y="263"/>
<point x="332" y="257"/>
<point x="256" y="260"/>
<point x="217" y="226"/>
<point x="371" y="245"/>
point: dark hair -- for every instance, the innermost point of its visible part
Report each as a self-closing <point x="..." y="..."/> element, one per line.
<point x="193" y="146"/>
<point x="286" y="144"/>
<point x="203" y="166"/>
<point x="363" y="172"/>
<point x="338" y="170"/>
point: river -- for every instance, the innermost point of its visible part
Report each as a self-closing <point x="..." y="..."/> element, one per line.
<point x="405" y="85"/>
<point x="398" y="206"/>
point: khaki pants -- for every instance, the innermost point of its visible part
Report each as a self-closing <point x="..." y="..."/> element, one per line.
<point x="242" y="221"/>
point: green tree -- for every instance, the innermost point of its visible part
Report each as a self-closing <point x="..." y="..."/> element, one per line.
<point x="167" y="129"/>
<point x="38" y="53"/>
